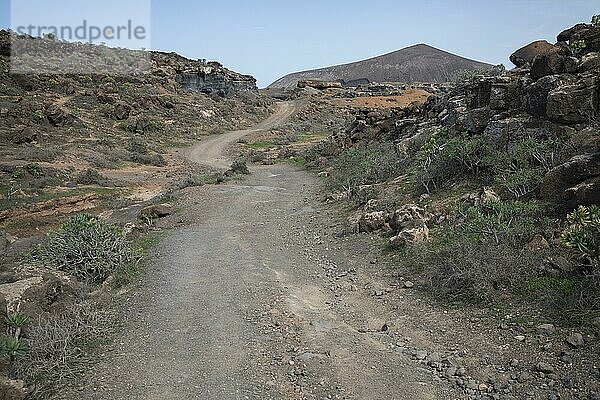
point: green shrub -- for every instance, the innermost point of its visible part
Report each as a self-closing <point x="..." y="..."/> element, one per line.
<point x="577" y="45"/>
<point x="358" y="166"/>
<point x="17" y="320"/>
<point x="583" y="234"/>
<point x="521" y="182"/>
<point x="12" y="346"/>
<point x="139" y="147"/>
<point x="519" y="170"/>
<point x="90" y="176"/>
<point x="426" y="166"/>
<point x="444" y="160"/>
<point x="148" y="159"/>
<point x="469" y="152"/>
<point x="456" y="268"/>
<point x="501" y="221"/>
<point x="573" y="300"/>
<point x="596" y="20"/>
<point x="86" y="248"/>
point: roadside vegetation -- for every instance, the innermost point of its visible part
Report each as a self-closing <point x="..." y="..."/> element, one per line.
<point x="52" y="350"/>
<point x="510" y="248"/>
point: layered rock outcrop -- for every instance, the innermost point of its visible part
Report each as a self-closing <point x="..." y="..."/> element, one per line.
<point x="553" y="94"/>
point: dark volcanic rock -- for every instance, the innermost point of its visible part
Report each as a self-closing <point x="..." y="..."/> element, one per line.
<point x="478" y="95"/>
<point x="588" y="34"/>
<point x="561" y="183"/>
<point x="567" y="34"/>
<point x="552" y="63"/>
<point x="478" y="119"/>
<point x="24" y="135"/>
<point x="525" y="55"/>
<point x="505" y="93"/>
<point x="586" y="193"/>
<point x="4" y="43"/>
<point x="574" y="104"/>
<point x="536" y="98"/>
<point x="156" y="211"/>
<point x="121" y="111"/>
<point x="589" y="62"/>
<point x="212" y="78"/>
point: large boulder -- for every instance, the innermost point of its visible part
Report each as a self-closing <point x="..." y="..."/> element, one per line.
<point x="478" y="119"/>
<point x="156" y="211"/>
<point x="589" y="62"/>
<point x="567" y="34"/>
<point x="371" y="222"/>
<point x="574" y="104"/>
<point x="536" y="95"/>
<point x="563" y="184"/>
<point x="410" y="236"/>
<point x="584" y="33"/>
<point x="54" y="295"/>
<point x="525" y="55"/>
<point x="552" y="63"/>
<point x="587" y="193"/>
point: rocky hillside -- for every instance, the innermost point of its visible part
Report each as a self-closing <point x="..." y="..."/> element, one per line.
<point x="98" y="144"/>
<point x="56" y="127"/>
<point x="486" y="194"/>
<point x="487" y="166"/>
<point x="419" y="63"/>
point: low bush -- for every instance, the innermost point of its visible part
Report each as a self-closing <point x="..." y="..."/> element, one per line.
<point x="148" y="159"/>
<point x="56" y="345"/>
<point x="139" y="147"/>
<point x="444" y="160"/>
<point x="512" y="222"/>
<point x="37" y="154"/>
<point x="359" y="166"/>
<point x="456" y="268"/>
<point x="90" y="176"/>
<point x="87" y="248"/>
<point x="517" y="171"/>
<point x="479" y="255"/>
<point x="140" y="154"/>
<point x="583" y="235"/>
<point x="572" y="300"/>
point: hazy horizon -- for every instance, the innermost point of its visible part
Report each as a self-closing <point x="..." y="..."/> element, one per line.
<point x="269" y="39"/>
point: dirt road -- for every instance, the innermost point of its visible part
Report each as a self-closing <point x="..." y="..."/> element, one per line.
<point x="255" y="297"/>
<point x="211" y="151"/>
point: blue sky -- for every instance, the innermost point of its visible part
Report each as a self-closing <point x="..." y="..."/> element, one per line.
<point x="270" y="38"/>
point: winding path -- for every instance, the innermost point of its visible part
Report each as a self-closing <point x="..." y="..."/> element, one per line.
<point x="255" y="297"/>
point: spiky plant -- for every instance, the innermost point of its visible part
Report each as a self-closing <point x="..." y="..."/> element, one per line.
<point x="17" y="321"/>
<point x="12" y="346"/>
<point x="583" y="233"/>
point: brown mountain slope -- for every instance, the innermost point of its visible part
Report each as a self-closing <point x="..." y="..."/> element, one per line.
<point x="418" y="63"/>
